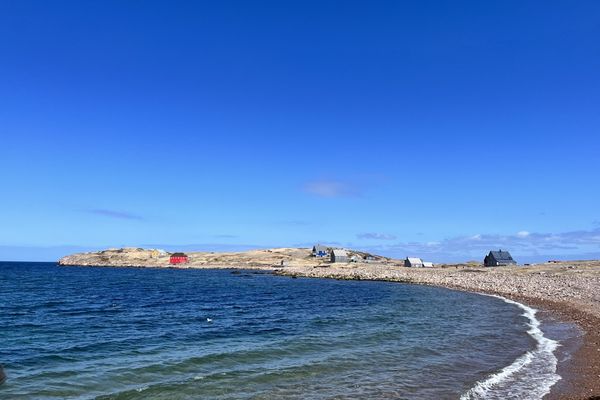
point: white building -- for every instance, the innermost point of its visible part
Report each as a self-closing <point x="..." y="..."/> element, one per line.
<point x="413" y="262"/>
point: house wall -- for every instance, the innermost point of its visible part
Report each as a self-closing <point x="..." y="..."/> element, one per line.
<point x="415" y="265"/>
<point x="489" y="261"/>
<point x="338" y="258"/>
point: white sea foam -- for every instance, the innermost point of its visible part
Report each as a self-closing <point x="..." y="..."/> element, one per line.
<point x="530" y="376"/>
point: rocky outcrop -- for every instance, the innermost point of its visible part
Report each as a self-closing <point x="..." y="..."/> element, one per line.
<point x="264" y="258"/>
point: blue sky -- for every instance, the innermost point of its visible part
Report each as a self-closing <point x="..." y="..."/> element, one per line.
<point x="441" y="129"/>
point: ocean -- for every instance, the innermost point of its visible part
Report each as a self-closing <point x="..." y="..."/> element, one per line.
<point x="128" y="333"/>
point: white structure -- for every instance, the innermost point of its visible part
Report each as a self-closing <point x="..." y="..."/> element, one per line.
<point x="427" y="264"/>
<point x="413" y="262"/>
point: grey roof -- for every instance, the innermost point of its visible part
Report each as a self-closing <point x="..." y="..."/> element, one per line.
<point x="501" y="255"/>
<point x="414" y="260"/>
<point x="319" y="247"/>
<point x="340" y="253"/>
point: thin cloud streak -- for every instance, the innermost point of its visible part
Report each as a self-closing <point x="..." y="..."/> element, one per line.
<point x="114" y="214"/>
<point x="524" y="243"/>
<point x="332" y="189"/>
<point x="376" y="236"/>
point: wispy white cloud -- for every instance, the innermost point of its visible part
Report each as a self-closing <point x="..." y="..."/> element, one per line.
<point x="522" y="243"/>
<point x="376" y="236"/>
<point x="332" y="188"/>
<point x="114" y="214"/>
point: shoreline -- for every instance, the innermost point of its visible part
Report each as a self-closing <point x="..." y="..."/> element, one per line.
<point x="580" y="376"/>
<point x="566" y="292"/>
<point x="544" y="350"/>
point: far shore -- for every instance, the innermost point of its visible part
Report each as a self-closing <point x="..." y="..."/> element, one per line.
<point x="568" y="289"/>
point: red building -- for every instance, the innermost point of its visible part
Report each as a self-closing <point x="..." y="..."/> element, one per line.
<point x="178" y="258"/>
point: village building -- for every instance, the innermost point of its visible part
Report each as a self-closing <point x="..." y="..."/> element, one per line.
<point x="178" y="258"/>
<point x="339" y="256"/>
<point x="498" y="258"/>
<point x="319" y="250"/>
<point x="156" y="253"/>
<point x="370" y="259"/>
<point x="427" y="264"/>
<point x="413" y="262"/>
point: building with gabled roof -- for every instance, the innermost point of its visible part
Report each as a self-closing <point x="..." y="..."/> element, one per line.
<point x="339" y="256"/>
<point x="498" y="258"/>
<point x="319" y="250"/>
<point x="178" y="258"/>
<point x="413" y="262"/>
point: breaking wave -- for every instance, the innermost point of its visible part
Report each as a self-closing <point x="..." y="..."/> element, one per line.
<point x="530" y="376"/>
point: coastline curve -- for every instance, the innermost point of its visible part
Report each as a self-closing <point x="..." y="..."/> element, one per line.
<point x="530" y="376"/>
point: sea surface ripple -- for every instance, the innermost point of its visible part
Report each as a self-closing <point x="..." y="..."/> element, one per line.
<point x="119" y="333"/>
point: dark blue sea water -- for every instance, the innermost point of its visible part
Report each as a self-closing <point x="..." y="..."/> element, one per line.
<point x="117" y="333"/>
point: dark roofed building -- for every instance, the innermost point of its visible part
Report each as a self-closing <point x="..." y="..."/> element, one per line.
<point x="178" y="258"/>
<point x="319" y="250"/>
<point x="498" y="258"/>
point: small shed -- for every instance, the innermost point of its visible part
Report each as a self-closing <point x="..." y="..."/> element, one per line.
<point x="413" y="262"/>
<point x="427" y="264"/>
<point x="339" y="256"/>
<point x="319" y="250"/>
<point x="178" y="258"/>
<point x="498" y="258"/>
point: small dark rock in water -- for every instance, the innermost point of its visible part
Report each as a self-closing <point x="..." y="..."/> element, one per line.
<point x="2" y="375"/>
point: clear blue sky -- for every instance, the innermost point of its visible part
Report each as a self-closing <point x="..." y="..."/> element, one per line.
<point x="439" y="129"/>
